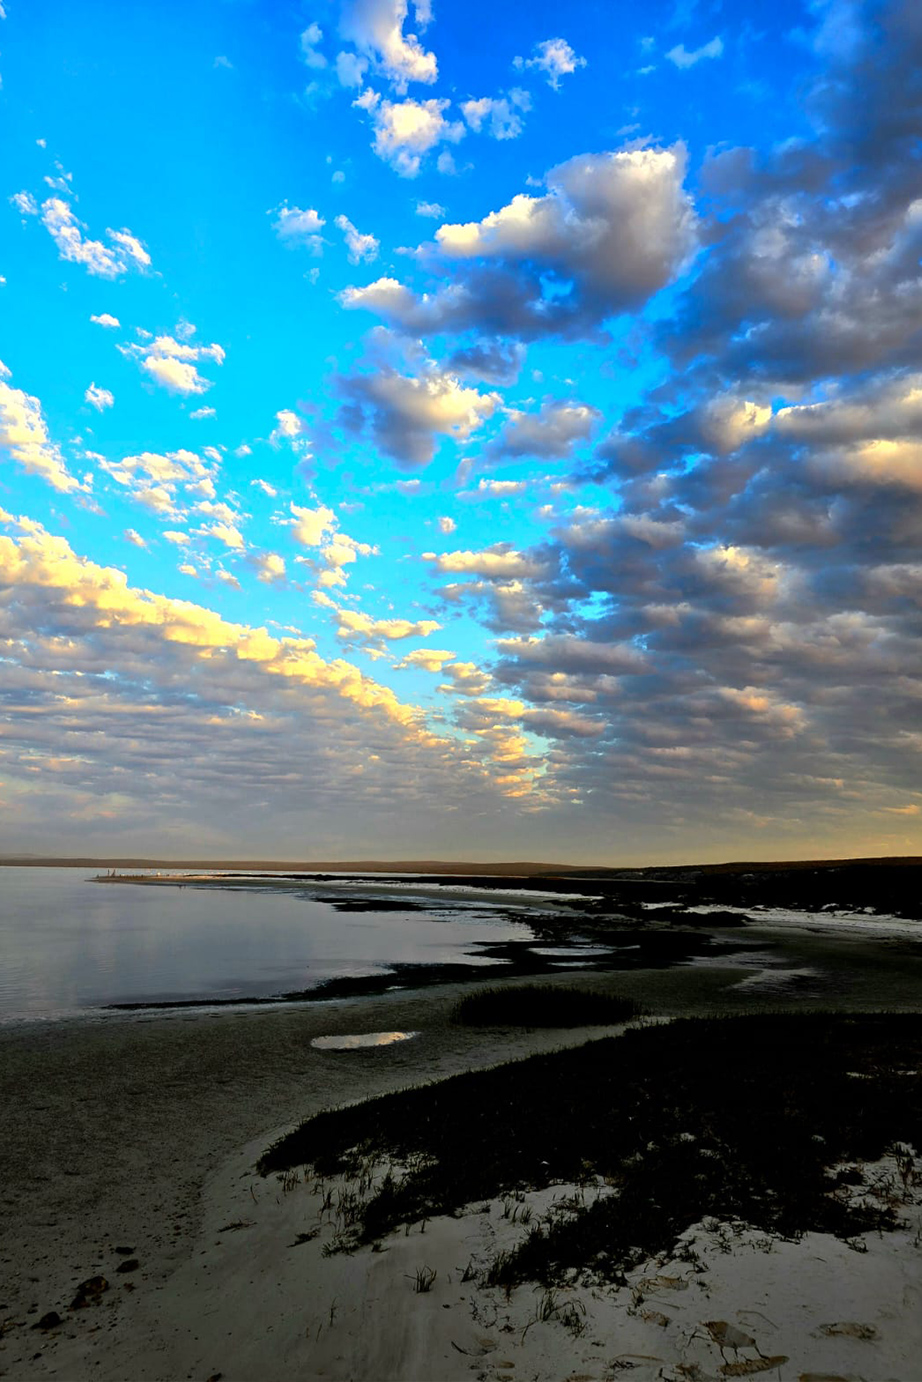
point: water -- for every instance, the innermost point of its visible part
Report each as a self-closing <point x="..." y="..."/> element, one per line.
<point x="69" y="946"/>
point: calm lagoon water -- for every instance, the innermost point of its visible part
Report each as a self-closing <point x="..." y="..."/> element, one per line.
<point x="69" y="946"/>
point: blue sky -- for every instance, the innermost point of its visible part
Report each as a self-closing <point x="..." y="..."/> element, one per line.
<point x="483" y="431"/>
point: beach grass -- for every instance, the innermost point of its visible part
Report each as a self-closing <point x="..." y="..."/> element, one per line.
<point x="749" y="1120"/>
<point x="542" y="1005"/>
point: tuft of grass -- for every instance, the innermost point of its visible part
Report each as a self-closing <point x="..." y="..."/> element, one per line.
<point x="741" y="1119"/>
<point x="542" y="1005"/>
<point x="423" y="1279"/>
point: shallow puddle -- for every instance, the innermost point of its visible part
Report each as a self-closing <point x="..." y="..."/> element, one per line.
<point x="354" y="1041"/>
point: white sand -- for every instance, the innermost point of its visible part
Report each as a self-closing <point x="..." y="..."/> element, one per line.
<point x="248" y="1303"/>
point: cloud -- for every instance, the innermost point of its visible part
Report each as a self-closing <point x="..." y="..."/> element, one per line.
<point x="134" y="538"/>
<point x="352" y="623"/>
<point x="554" y="57"/>
<point x="98" y="398"/>
<point x="500" y="560"/>
<point x="360" y="247"/>
<point x="198" y="413"/>
<point x="266" y="488"/>
<point x="428" y="659"/>
<point x="500" y="117"/>
<point x="681" y="57"/>
<point x="611" y="231"/>
<point x="496" y="362"/>
<point x="270" y="567"/>
<point x="297" y="227"/>
<point x="227" y="533"/>
<point x="161" y="481"/>
<point x="405" y="131"/>
<point x="24" y="203"/>
<point x="103" y="261"/>
<point x="446" y="524"/>
<point x="288" y="427"/>
<point x="174" y="364"/>
<point x="351" y="69"/>
<point x="376" y="28"/>
<point x="502" y="487"/>
<point x="551" y="433"/>
<point x="310" y="38"/>
<point x="430" y="209"/>
<point x="406" y="415"/>
<point x="24" y="434"/>
<point x="106" y="319"/>
<point x="311" y="526"/>
<point x="319" y="528"/>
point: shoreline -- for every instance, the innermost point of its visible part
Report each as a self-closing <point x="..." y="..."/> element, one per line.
<point x="197" y="1092"/>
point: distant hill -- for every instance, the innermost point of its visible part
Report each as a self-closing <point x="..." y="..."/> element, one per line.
<point x="518" y="869"/>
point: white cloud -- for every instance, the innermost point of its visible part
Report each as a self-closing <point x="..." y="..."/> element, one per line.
<point x="199" y="413"/>
<point x="502" y="487"/>
<point x="554" y="57"/>
<point x="98" y="259"/>
<point x="288" y="427"/>
<point x="360" y="247"/>
<point x="353" y="623"/>
<point x="154" y="479"/>
<point x="266" y="488"/>
<point x="351" y="69"/>
<point x="135" y="538"/>
<point x="24" y="203"/>
<point x="446" y="525"/>
<point x="131" y="248"/>
<point x="433" y="210"/>
<point x="177" y="538"/>
<point x="311" y="526"/>
<point x="501" y="560"/>
<point x="405" y="131"/>
<point x="299" y="227"/>
<point x="310" y="38"/>
<point x="106" y="319"/>
<point x="98" y="398"/>
<point x="319" y="528"/>
<point x="173" y="364"/>
<point x="24" y="433"/>
<point x="428" y="659"/>
<point x="500" y="117"/>
<point x="375" y="27"/>
<point x="681" y="57"/>
<point x="270" y="567"/>
<point x="227" y="533"/>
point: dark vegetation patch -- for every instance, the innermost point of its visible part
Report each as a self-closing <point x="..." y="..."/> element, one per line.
<point x="542" y="1005"/>
<point x="740" y="1118"/>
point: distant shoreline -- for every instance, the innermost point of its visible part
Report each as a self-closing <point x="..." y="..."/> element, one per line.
<point x="520" y="868"/>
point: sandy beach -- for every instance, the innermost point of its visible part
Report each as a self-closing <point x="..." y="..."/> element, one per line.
<point x="141" y="1134"/>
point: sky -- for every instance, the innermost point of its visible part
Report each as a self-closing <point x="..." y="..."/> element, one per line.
<point x="461" y="430"/>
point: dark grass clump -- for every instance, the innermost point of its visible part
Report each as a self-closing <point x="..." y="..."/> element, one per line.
<point x="542" y="1005"/>
<point x="737" y="1118"/>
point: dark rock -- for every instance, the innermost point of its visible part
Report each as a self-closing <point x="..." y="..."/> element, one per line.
<point x="49" y="1321"/>
<point x="89" y="1292"/>
<point x="131" y="1265"/>
<point x="124" y="1252"/>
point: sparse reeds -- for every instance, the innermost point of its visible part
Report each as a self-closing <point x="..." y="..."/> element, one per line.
<point x="423" y="1280"/>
